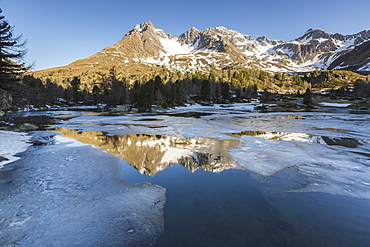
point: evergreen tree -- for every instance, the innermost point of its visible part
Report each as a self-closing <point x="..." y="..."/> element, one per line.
<point x="158" y="87"/>
<point x="117" y="94"/>
<point x="225" y="90"/>
<point x="11" y="50"/>
<point x="173" y="94"/>
<point x="76" y="87"/>
<point x="205" y="90"/>
<point x="217" y="91"/>
<point x="96" y="92"/>
<point x="307" y="97"/>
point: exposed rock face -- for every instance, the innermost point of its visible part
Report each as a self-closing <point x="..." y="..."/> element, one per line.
<point x="312" y="34"/>
<point x="6" y="100"/>
<point x="140" y="42"/>
<point x="189" y="37"/>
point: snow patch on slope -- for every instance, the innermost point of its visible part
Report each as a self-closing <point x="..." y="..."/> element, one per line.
<point x="346" y="44"/>
<point x="365" y="67"/>
<point x="173" y="47"/>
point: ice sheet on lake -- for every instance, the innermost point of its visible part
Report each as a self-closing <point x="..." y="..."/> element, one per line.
<point x="330" y="104"/>
<point x="331" y="150"/>
<point x="218" y="107"/>
<point x="332" y="160"/>
<point x="62" y="195"/>
<point x="69" y="141"/>
<point x="328" y="169"/>
<point x="12" y="143"/>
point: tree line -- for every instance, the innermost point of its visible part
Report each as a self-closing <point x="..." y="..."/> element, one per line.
<point x="111" y="91"/>
<point x="167" y="89"/>
<point x="205" y="88"/>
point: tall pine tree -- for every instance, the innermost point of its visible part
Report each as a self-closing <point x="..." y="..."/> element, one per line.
<point x="11" y="53"/>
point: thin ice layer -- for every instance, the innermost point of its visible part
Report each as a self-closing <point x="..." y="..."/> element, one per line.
<point x="74" y="196"/>
<point x="12" y="143"/>
<point x="331" y="150"/>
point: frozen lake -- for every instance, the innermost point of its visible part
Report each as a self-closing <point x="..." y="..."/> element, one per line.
<point x="235" y="177"/>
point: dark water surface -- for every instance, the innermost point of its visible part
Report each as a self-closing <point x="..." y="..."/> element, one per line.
<point x="231" y="208"/>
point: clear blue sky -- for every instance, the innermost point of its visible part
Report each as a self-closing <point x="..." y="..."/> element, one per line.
<point x="62" y="31"/>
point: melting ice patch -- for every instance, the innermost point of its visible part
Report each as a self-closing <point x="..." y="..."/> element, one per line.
<point x="267" y="157"/>
<point x="72" y="196"/>
<point x="330" y="165"/>
<point x="12" y="143"/>
<point x="70" y="142"/>
<point x="330" y="104"/>
<point x="330" y="150"/>
<point x="284" y="136"/>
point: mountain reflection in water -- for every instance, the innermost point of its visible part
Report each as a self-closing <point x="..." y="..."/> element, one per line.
<point x="150" y="154"/>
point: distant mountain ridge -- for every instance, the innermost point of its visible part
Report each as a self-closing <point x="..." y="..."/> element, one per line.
<point x="220" y="48"/>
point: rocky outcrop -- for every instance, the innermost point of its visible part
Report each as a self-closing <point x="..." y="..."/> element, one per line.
<point x="189" y="37"/>
<point x="6" y="100"/>
<point x="141" y="42"/>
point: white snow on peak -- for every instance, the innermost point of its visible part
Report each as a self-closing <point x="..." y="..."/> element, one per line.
<point x="265" y="53"/>
<point x="306" y="40"/>
<point x="196" y="43"/>
<point x="224" y="29"/>
<point x="193" y="28"/>
<point x="345" y="44"/>
<point x="158" y="30"/>
<point x="309" y="39"/>
<point x="173" y="47"/>
<point x="137" y="28"/>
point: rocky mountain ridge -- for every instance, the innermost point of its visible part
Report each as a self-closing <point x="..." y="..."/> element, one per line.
<point x="358" y="59"/>
<point x="220" y="48"/>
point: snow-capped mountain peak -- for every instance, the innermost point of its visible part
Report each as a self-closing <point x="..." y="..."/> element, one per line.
<point x="220" y="48"/>
<point x="313" y="34"/>
<point x="189" y="37"/>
